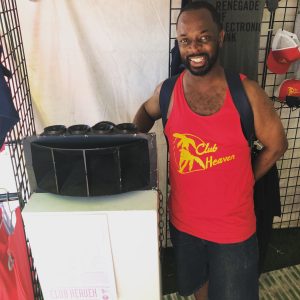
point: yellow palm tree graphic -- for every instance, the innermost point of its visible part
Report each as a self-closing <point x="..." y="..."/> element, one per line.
<point x="184" y="141"/>
<point x="186" y="158"/>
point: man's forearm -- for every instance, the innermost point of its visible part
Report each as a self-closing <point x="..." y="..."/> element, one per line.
<point x="142" y="120"/>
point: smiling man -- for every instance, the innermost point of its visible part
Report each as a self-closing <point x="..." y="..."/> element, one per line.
<point x="205" y="53"/>
<point x="212" y="220"/>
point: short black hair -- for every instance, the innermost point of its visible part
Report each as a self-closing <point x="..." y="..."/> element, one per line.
<point x="200" y="5"/>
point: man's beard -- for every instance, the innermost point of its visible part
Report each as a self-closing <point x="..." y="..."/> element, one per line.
<point x="201" y="71"/>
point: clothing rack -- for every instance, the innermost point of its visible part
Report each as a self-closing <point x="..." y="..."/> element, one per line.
<point x="288" y="166"/>
<point x="13" y="58"/>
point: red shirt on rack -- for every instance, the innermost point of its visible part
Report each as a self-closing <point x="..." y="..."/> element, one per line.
<point x="15" y="276"/>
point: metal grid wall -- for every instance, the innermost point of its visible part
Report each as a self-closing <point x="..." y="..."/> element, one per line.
<point x="14" y="59"/>
<point x="284" y="17"/>
<point x="288" y="167"/>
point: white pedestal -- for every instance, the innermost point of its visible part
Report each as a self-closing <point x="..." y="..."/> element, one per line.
<point x="61" y="228"/>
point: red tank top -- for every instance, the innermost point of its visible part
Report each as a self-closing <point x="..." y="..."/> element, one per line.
<point x="210" y="172"/>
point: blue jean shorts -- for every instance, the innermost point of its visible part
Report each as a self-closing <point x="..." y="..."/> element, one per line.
<point x="230" y="269"/>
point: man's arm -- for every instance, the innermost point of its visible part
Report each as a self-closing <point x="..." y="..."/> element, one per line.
<point x="268" y="128"/>
<point x="149" y="112"/>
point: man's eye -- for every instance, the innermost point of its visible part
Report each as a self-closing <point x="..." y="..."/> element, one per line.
<point x="183" y="41"/>
<point x="204" y="39"/>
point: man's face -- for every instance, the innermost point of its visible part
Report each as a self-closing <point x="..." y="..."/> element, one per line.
<point x="199" y="41"/>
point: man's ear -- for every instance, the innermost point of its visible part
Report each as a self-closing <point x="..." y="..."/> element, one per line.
<point x="221" y="37"/>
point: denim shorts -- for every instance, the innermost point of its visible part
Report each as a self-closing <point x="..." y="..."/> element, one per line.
<point x="230" y="269"/>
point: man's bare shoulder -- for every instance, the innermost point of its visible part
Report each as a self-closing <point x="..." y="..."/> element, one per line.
<point x="267" y="123"/>
<point x="253" y="88"/>
<point x="257" y="96"/>
<point x="152" y="104"/>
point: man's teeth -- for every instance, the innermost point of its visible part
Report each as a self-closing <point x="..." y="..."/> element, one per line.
<point x="196" y="59"/>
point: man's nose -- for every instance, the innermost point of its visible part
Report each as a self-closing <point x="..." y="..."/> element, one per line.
<point x="195" y="46"/>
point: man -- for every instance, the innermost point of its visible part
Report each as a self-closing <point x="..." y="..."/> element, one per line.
<point x="212" y="220"/>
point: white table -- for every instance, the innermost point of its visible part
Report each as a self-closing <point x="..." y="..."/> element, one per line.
<point x="60" y="228"/>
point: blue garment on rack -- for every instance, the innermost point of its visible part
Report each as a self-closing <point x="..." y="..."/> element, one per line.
<point x="8" y="114"/>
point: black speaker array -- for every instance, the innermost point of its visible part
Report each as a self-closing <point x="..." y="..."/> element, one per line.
<point x="105" y="159"/>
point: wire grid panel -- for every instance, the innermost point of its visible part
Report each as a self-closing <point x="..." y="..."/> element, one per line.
<point x="14" y="59"/>
<point x="289" y="170"/>
<point x="288" y="167"/>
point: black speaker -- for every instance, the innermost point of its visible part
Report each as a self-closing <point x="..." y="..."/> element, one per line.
<point x="91" y="165"/>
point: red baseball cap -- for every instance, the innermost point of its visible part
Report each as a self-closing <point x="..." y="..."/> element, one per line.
<point x="288" y="87"/>
<point x="285" y="50"/>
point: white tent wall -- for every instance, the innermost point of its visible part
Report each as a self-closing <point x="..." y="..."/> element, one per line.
<point x="93" y="60"/>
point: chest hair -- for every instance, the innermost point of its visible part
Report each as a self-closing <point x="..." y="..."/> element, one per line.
<point x="206" y="102"/>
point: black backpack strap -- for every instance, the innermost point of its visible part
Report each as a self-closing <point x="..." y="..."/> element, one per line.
<point x="165" y="97"/>
<point x="242" y="104"/>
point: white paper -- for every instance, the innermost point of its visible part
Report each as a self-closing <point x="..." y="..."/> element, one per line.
<point x="74" y="261"/>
